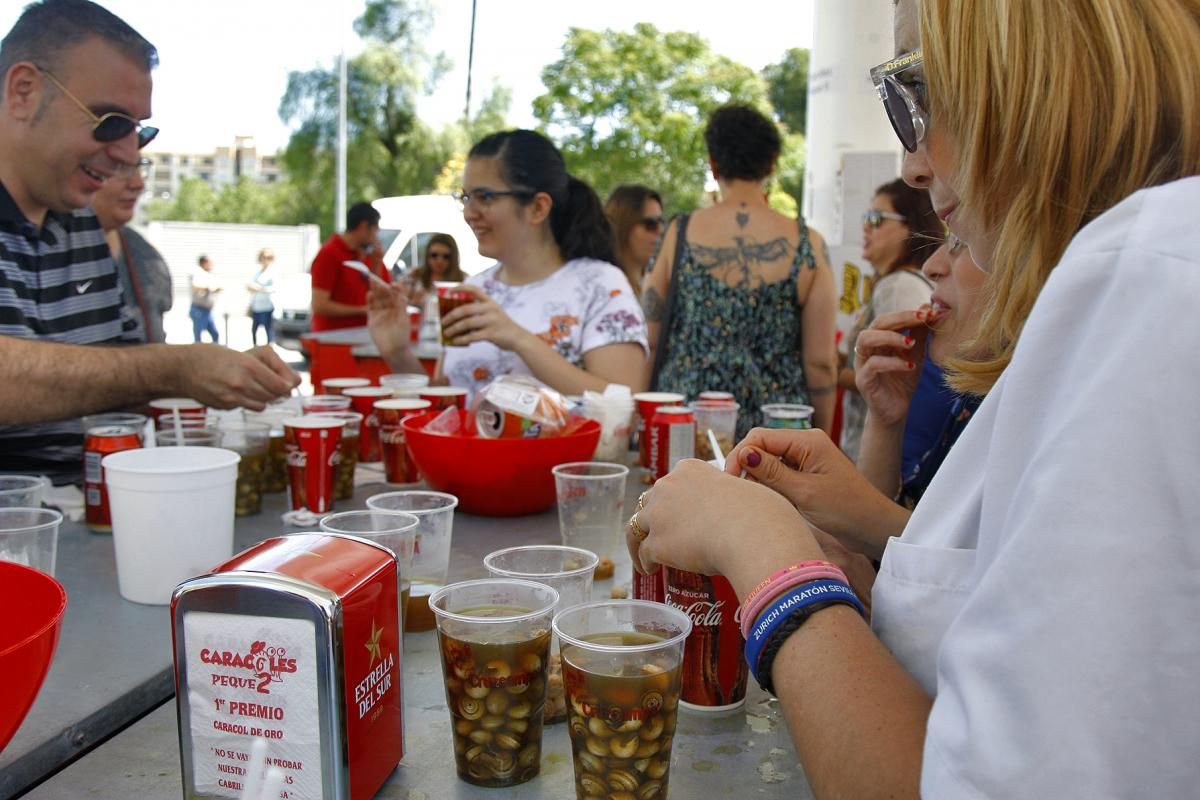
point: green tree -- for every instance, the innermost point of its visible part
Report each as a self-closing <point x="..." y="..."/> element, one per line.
<point x="630" y="107"/>
<point x="788" y="82"/>
<point x="246" y="202"/>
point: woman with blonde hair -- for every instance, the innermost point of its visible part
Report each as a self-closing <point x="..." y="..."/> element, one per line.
<point x="1033" y="627"/>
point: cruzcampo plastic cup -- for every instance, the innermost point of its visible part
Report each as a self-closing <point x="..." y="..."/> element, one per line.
<point x="172" y="516"/>
<point x="394" y="530"/>
<point x="25" y="491"/>
<point x="494" y="640"/>
<point x="567" y="570"/>
<point x="29" y="536"/>
<point x="431" y="550"/>
<point x="622" y="665"/>
<point x="591" y="502"/>
<point x="787" y="415"/>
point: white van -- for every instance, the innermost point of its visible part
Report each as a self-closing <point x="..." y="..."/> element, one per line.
<point x="405" y="225"/>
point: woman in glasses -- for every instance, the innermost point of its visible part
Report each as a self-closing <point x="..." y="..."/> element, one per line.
<point x="740" y="298"/>
<point x="555" y="307"/>
<point x="1033" y="631"/>
<point x="636" y="215"/>
<point x="145" y="279"/>
<point x="900" y="231"/>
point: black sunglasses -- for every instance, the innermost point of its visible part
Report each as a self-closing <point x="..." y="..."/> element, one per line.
<point x="110" y="127"/>
<point x="442" y="256"/>
<point x="904" y="103"/>
<point x="652" y="224"/>
<point x="875" y="218"/>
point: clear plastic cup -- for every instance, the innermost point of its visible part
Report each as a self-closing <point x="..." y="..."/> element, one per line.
<point x="567" y="570"/>
<point x="787" y="415"/>
<point x="431" y="550"/>
<point x="591" y="505"/>
<point x="187" y="436"/>
<point x="395" y="530"/>
<point x="622" y="661"/>
<point x="172" y="516"/>
<point x="29" y="536"/>
<point x="721" y="418"/>
<point x="325" y="402"/>
<point x="494" y="639"/>
<point x="250" y="440"/>
<point x="24" y="491"/>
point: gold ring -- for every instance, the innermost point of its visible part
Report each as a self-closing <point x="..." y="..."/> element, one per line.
<point x="639" y="533"/>
<point x="856" y="351"/>
<point x="642" y="499"/>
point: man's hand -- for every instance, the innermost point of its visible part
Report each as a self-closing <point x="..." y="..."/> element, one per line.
<point x="223" y="378"/>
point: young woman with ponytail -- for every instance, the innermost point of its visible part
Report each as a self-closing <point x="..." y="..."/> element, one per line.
<point x="556" y="306"/>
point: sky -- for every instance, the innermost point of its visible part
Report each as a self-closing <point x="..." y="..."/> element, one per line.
<point x="224" y="63"/>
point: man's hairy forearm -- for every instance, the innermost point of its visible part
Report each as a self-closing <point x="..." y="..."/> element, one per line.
<point x="45" y="381"/>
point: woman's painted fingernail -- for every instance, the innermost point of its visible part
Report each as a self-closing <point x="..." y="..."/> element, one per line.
<point x="753" y="459"/>
<point x="908" y="340"/>
<point x="911" y="365"/>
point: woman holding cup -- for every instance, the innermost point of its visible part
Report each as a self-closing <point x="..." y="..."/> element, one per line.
<point x="555" y="306"/>
<point x="1008" y="624"/>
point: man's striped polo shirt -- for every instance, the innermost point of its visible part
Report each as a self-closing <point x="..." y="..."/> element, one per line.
<point x="58" y="283"/>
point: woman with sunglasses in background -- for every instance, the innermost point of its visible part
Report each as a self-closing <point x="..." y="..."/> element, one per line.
<point x="1034" y="626"/>
<point x="740" y="298"/>
<point x="441" y="263"/>
<point x="635" y="213"/>
<point x="556" y="306"/>
<point x="900" y="231"/>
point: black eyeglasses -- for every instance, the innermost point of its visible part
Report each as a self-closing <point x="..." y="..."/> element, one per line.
<point x="485" y="197"/>
<point x="905" y="103"/>
<point x="875" y="218"/>
<point x="652" y="224"/>
<point x="110" y="127"/>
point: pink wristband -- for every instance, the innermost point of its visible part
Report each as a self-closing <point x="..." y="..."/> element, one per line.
<point x="783" y="584"/>
<point x="781" y="573"/>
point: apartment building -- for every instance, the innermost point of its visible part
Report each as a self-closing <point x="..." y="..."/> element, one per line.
<point x="220" y="168"/>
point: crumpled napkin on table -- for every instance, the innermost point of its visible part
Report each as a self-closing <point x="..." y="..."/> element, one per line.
<point x="68" y="499"/>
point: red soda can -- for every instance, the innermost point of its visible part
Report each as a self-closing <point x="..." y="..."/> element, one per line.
<point x="443" y="397"/>
<point x="313" y="451"/>
<point x="104" y="434"/>
<point x="652" y="587"/>
<point x="398" y="463"/>
<point x="647" y="403"/>
<point x="714" y="671"/>
<point x="672" y="439"/>
<point x="363" y="401"/>
<point x="718" y="398"/>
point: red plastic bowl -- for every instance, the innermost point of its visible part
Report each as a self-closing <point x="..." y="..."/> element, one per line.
<point x="28" y="636"/>
<point x="496" y="477"/>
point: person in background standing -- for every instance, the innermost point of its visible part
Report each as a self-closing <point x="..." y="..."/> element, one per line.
<point x="636" y="215"/>
<point x="145" y="279"/>
<point x="441" y="265"/>
<point x="204" y="297"/>
<point x="339" y="294"/>
<point x="261" y="289"/>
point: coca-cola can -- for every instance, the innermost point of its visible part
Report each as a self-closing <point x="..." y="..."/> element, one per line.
<point x="672" y="439"/>
<point x="652" y="587"/>
<point x="104" y="434"/>
<point x="717" y="398"/>
<point x="313" y="451"/>
<point x="714" y="671"/>
<point x="647" y="403"/>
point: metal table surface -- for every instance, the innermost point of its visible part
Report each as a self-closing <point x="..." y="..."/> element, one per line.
<point x="114" y="664"/>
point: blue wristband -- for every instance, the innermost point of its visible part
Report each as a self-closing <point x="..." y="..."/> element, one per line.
<point x="785" y="605"/>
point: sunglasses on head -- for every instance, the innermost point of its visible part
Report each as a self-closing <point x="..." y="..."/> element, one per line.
<point x="875" y="218"/>
<point x="652" y="224"/>
<point x="110" y="127"/>
<point x="905" y="102"/>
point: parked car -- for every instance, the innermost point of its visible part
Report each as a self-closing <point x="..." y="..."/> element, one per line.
<point x="405" y="225"/>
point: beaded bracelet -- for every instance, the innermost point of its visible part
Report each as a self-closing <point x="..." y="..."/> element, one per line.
<point x="785" y="583"/>
<point x="785" y="607"/>
<point x="781" y="573"/>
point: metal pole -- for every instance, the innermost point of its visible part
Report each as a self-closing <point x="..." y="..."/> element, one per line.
<point x="340" y="211"/>
<point x="470" y="64"/>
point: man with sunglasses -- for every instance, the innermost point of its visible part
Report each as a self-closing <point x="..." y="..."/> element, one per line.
<point x="76" y="85"/>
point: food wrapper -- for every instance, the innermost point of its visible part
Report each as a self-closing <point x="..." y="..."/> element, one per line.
<point x="515" y="407"/>
<point x="614" y="411"/>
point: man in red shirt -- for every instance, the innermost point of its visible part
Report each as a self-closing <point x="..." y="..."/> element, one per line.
<point x="339" y="294"/>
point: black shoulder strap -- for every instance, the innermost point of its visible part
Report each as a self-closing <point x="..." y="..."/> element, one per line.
<point x="660" y="353"/>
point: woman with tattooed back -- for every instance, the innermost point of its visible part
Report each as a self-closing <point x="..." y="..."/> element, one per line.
<point x="739" y="297"/>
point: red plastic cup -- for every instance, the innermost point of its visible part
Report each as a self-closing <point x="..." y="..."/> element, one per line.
<point x="340" y="385"/>
<point x="35" y="603"/>
<point x="363" y="401"/>
<point x="442" y="397"/>
<point x="312" y="445"/>
<point x="164" y="410"/>
<point x="647" y="403"/>
<point x="398" y="463"/>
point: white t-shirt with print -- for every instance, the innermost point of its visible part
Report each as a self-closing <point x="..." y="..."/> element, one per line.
<point x="583" y="305"/>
